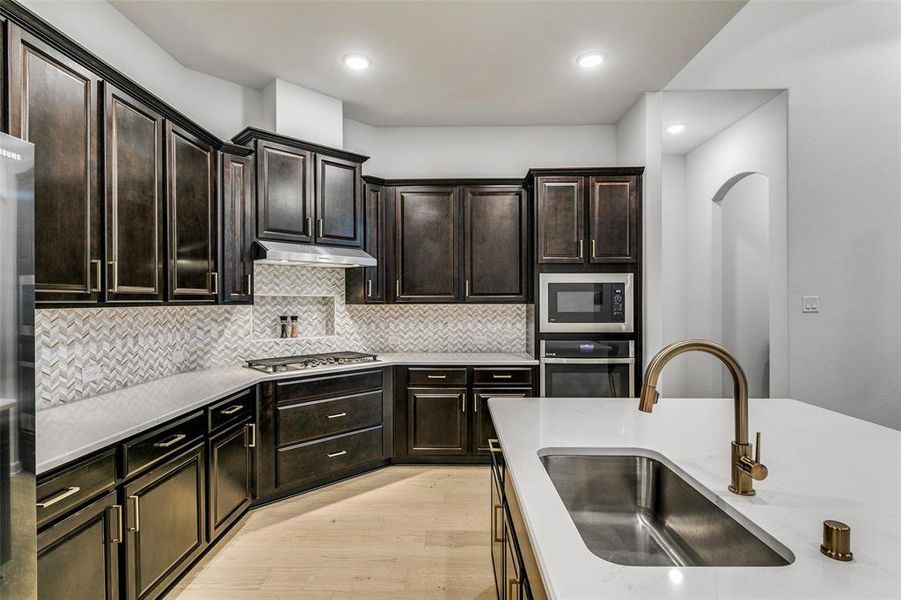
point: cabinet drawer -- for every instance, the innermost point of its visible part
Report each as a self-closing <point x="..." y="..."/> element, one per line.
<point x="232" y="409"/>
<point x="155" y="446"/>
<point x="341" y="384"/>
<point x="313" y="461"/>
<point x="59" y="493"/>
<point x="502" y="376"/>
<point x="302" y="422"/>
<point x="432" y="376"/>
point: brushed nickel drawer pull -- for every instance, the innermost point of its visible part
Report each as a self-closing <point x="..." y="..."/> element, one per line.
<point x="336" y="454"/>
<point x="171" y="441"/>
<point x="120" y="525"/>
<point x="593" y="252"/>
<point x="397" y="287"/>
<point x="96" y="264"/>
<point x="252" y="430"/>
<point x="337" y="415"/>
<point x="494" y="445"/>
<point x="320" y="227"/>
<point x="249" y="283"/>
<point x="137" y="506"/>
<point x="467" y="288"/>
<point x="497" y="376"/>
<point x="437" y="376"/>
<point x="66" y="493"/>
<point x="463" y="403"/>
<point x="214" y="277"/>
<point x="232" y="409"/>
<point x="308" y="226"/>
<point x="581" y="255"/>
<point x="369" y="288"/>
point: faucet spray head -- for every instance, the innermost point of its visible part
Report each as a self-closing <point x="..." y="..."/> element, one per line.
<point x="649" y="397"/>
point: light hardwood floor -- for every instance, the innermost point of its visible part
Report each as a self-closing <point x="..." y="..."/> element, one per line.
<point x="399" y="532"/>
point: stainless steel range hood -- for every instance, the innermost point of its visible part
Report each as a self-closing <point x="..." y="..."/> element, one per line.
<point x="286" y="253"/>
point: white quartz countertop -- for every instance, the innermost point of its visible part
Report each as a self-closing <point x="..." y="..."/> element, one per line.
<point x="65" y="433"/>
<point x="822" y="465"/>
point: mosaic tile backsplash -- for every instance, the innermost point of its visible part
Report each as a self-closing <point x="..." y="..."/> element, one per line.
<point x="88" y="351"/>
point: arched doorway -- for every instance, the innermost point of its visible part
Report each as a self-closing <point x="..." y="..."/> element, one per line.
<point x="741" y="227"/>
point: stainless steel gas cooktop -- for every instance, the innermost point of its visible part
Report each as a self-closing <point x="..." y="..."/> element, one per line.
<point x="308" y="361"/>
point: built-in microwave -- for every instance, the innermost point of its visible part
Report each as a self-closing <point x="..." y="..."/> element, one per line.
<point x="585" y="302"/>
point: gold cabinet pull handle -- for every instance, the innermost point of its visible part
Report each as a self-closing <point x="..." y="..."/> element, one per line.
<point x="512" y="583"/>
<point x="336" y="454"/>
<point x="320" y="227"/>
<point x="397" y="287"/>
<point x="120" y="525"/>
<point x="497" y="531"/>
<point x="436" y="376"/>
<point x="232" y="409"/>
<point x="494" y="445"/>
<point x="593" y="251"/>
<point x="369" y="288"/>
<point x="66" y="493"/>
<point x="252" y="433"/>
<point x="308" y="226"/>
<point x="96" y="265"/>
<point x="581" y="255"/>
<point x="171" y="441"/>
<point x="249" y="283"/>
<point x="114" y="275"/>
<point x="336" y="415"/>
<point x="499" y="376"/>
<point x="137" y="511"/>
<point x="463" y="401"/>
<point x="467" y="288"/>
<point x="214" y="282"/>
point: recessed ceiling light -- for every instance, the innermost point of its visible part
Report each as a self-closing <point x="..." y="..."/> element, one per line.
<point x="589" y="60"/>
<point x="357" y="62"/>
<point x="676" y="128"/>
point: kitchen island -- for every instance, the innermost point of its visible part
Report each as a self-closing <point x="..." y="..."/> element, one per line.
<point x="822" y="465"/>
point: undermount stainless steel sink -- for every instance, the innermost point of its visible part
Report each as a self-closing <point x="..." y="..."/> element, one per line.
<point x="635" y="510"/>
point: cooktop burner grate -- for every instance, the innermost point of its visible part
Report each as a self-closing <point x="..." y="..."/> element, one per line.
<point x="307" y="361"/>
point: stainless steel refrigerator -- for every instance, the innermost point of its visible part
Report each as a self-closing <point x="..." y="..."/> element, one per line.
<point x="18" y="539"/>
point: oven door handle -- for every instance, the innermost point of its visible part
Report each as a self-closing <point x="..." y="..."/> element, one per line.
<point x="588" y="361"/>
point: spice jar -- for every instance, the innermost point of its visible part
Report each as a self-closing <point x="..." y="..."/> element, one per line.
<point x="294" y="326"/>
<point x="283" y="327"/>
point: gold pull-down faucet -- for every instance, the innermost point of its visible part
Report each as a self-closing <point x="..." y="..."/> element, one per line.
<point x="744" y="468"/>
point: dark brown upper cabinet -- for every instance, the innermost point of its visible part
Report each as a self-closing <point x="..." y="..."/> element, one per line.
<point x="426" y="244"/>
<point x="613" y="218"/>
<point x="237" y="228"/>
<point x="285" y="193"/>
<point x="54" y="104"/>
<point x="560" y="223"/>
<point x="134" y="199"/>
<point x="193" y="217"/>
<point x="495" y="238"/>
<point x="367" y="284"/>
<point x="339" y="202"/>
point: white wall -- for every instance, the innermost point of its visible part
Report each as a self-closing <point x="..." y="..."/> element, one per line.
<point x="477" y="151"/>
<point x="741" y="234"/>
<point x="300" y="113"/>
<point x="638" y="143"/>
<point x="841" y="62"/>
<point x="754" y="144"/>
<point x="221" y="106"/>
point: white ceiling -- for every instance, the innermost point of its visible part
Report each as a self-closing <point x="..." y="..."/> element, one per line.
<point x="443" y="62"/>
<point x="705" y="114"/>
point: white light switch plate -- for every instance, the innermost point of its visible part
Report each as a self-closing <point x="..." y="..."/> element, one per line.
<point x="90" y="373"/>
<point x="810" y="304"/>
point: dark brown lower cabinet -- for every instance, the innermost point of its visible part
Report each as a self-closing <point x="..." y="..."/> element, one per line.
<point x="78" y="558"/>
<point x="436" y="421"/>
<point x="165" y="516"/>
<point x="512" y="568"/>
<point x="231" y="476"/>
<point x="498" y="558"/>
<point x="483" y="428"/>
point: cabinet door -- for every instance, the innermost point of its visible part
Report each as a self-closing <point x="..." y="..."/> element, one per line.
<point x="512" y="569"/>
<point x="166" y="521"/>
<point x="193" y="218"/>
<point x="483" y="428"/>
<point x="54" y="105"/>
<point x="436" y="421"/>
<point x="374" y="277"/>
<point x="613" y="219"/>
<point x="339" y="202"/>
<point x="231" y="467"/>
<point x="498" y="556"/>
<point x="561" y="223"/>
<point x="426" y="244"/>
<point x="78" y="558"/>
<point x="237" y="229"/>
<point x="494" y="244"/>
<point x="134" y="199"/>
<point x="285" y="193"/>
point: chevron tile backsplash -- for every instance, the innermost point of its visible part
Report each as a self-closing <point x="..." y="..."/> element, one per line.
<point x="138" y="344"/>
